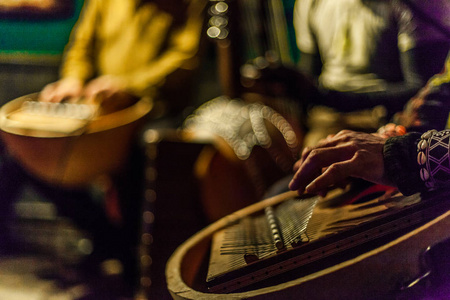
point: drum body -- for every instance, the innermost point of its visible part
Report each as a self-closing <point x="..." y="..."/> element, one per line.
<point x="76" y="159"/>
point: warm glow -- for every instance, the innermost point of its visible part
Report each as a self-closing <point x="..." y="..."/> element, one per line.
<point x="37" y="4"/>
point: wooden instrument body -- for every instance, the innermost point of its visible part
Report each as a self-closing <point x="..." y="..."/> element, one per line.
<point x="378" y="273"/>
<point x="74" y="160"/>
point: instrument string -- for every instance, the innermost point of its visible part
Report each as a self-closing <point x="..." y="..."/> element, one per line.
<point x="256" y="235"/>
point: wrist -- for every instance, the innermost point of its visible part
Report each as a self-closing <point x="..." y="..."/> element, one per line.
<point x="400" y="163"/>
<point x="433" y="158"/>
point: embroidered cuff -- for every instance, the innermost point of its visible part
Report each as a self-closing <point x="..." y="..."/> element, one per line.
<point x="433" y="158"/>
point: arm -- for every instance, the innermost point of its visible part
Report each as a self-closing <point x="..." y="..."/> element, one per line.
<point x="431" y="106"/>
<point x="78" y="61"/>
<point x="77" y="66"/>
<point x="418" y="162"/>
<point x="183" y="46"/>
<point x="310" y="63"/>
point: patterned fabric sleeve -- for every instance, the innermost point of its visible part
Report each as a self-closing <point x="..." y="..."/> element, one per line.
<point x="433" y="158"/>
<point x="418" y="162"/>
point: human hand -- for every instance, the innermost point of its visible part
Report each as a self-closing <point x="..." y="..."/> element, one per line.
<point x="63" y="89"/>
<point x="103" y="88"/>
<point x="336" y="159"/>
<point x="109" y="93"/>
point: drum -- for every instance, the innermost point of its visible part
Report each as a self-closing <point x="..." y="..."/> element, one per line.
<point x="70" y="152"/>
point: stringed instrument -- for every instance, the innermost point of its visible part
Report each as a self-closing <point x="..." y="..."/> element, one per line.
<point x="352" y="244"/>
<point x="69" y="144"/>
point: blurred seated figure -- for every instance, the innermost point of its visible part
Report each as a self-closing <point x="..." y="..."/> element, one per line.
<point x="130" y="47"/>
<point x="365" y="57"/>
<point x="412" y="158"/>
<point x="119" y="52"/>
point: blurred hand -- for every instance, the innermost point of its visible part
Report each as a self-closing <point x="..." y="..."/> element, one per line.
<point x="64" y="89"/>
<point x="409" y="117"/>
<point x="103" y="88"/>
<point x="107" y="91"/>
<point x="338" y="158"/>
<point x="391" y="130"/>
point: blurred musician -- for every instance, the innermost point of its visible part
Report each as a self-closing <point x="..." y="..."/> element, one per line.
<point x="127" y="48"/>
<point x="368" y="58"/>
<point x="390" y="156"/>
<point x="119" y="52"/>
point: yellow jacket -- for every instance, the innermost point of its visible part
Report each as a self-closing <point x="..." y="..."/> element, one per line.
<point x="141" y="43"/>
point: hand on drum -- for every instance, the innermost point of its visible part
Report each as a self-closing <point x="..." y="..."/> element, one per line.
<point x="336" y="159"/>
<point x="107" y="90"/>
<point x="63" y="89"/>
<point x="71" y="89"/>
<point x="103" y="88"/>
